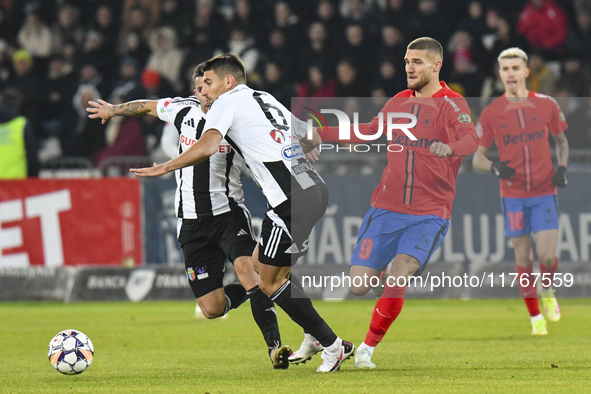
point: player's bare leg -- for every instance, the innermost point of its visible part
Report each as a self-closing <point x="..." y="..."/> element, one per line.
<point x="213" y="304"/>
<point x="546" y="241"/>
<point x="524" y="266"/>
<point x="360" y="275"/>
<point x="387" y="308"/>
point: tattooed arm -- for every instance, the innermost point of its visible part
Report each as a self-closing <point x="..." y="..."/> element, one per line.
<point x="105" y="111"/>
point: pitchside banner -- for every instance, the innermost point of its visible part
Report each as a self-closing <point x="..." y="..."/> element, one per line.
<point x="56" y="222"/>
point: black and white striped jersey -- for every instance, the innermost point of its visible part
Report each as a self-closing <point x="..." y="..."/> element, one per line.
<point x="211" y="187"/>
<point x="266" y="135"/>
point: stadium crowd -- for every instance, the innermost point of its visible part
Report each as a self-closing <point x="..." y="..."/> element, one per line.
<point x="56" y="55"/>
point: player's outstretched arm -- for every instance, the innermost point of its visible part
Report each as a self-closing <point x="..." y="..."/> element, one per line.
<point x="105" y="111"/>
<point x="559" y="179"/>
<point x="480" y="161"/>
<point x="206" y="146"/>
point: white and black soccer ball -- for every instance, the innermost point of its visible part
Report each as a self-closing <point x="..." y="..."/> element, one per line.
<point x="70" y="352"/>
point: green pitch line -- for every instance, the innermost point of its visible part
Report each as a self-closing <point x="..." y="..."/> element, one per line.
<point x="434" y="346"/>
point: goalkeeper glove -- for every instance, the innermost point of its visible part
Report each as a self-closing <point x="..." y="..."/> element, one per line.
<point x="502" y="170"/>
<point x="559" y="178"/>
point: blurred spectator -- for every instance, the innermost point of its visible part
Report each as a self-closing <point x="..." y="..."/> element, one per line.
<point x="541" y="79"/>
<point x="399" y="14"/>
<point x="393" y="44"/>
<point x="104" y="23"/>
<point x="579" y="39"/>
<point x="279" y="52"/>
<point x="6" y="70"/>
<point x="151" y="13"/>
<point x="56" y="96"/>
<point x="124" y="137"/>
<point x="431" y="24"/>
<point x="82" y="136"/>
<point x="544" y="24"/>
<point x="209" y="29"/>
<point x="317" y="84"/>
<point x="6" y="25"/>
<point x="136" y="22"/>
<point x="348" y="81"/>
<point x="360" y="12"/>
<point x="127" y="87"/>
<point x="245" y="20"/>
<point x="287" y="21"/>
<point x="317" y="50"/>
<point x="89" y="75"/>
<point x="358" y="49"/>
<point x="328" y="15"/>
<point x="166" y="57"/>
<point x="274" y="83"/>
<point x="243" y="46"/>
<point x="492" y="86"/>
<point x="462" y="45"/>
<point x="475" y="21"/>
<point x="465" y="78"/>
<point x="135" y="46"/>
<point x="389" y="80"/>
<point x="67" y="27"/>
<point x="18" y="146"/>
<point x="575" y="77"/>
<point x="27" y="83"/>
<point x="177" y="17"/>
<point x="94" y="51"/>
<point x="35" y="37"/>
<point x="504" y="38"/>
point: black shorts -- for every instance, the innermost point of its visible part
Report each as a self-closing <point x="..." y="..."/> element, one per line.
<point x="286" y="228"/>
<point x="207" y="242"/>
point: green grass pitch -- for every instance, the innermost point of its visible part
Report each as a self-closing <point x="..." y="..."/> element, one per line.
<point x="435" y="346"/>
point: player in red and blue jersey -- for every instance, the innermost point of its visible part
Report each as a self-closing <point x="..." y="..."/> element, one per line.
<point x="519" y="122"/>
<point x="411" y="206"/>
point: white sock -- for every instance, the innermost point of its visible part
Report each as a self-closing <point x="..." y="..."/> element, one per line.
<point x="370" y="349"/>
<point x="309" y="338"/>
<point x="536" y="318"/>
<point x="335" y="347"/>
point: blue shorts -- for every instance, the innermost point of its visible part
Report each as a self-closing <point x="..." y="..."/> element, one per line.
<point x="385" y="234"/>
<point x="526" y="215"/>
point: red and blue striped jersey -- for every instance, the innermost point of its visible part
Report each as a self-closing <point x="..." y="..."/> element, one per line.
<point x="520" y="130"/>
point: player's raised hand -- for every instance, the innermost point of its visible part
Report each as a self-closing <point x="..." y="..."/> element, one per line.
<point x="440" y="149"/>
<point x="313" y="155"/>
<point x="99" y="110"/>
<point x="155" y="170"/>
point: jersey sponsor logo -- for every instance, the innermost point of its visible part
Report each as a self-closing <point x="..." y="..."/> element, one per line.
<point x="187" y="141"/>
<point x="452" y="103"/>
<point x="365" y="249"/>
<point x="302" y="167"/>
<point x="503" y="125"/>
<point x="225" y="149"/>
<point x="277" y="136"/>
<point x="190" y="122"/>
<point x="201" y="272"/>
<point x="191" y="274"/>
<point x="292" y="152"/>
<point x="522" y="137"/>
<point x="167" y="102"/>
<point x="403" y="140"/>
<point x="464" y="118"/>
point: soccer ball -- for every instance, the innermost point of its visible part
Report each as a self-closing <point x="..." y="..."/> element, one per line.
<point x="70" y="352"/>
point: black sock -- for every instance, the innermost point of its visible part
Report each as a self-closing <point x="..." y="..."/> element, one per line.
<point x="263" y="312"/>
<point x="235" y="296"/>
<point x="299" y="307"/>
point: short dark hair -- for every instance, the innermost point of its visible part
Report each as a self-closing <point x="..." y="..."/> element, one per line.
<point x="427" y="44"/>
<point x="225" y="64"/>
<point x="198" y="71"/>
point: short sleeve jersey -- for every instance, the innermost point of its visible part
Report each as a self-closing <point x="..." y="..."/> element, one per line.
<point x="213" y="186"/>
<point x="521" y="129"/>
<point x="266" y="135"/>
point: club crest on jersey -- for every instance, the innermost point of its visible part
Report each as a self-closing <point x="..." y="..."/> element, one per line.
<point x="464" y="118"/>
<point x="277" y="136"/>
<point x="191" y="274"/>
<point x="427" y="120"/>
<point x="292" y="152"/>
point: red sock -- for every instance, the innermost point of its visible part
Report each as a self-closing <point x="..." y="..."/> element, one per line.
<point x="530" y="296"/>
<point x="549" y="271"/>
<point x="386" y="311"/>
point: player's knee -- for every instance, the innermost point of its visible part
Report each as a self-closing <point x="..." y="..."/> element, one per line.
<point x="212" y="311"/>
<point x="358" y="291"/>
<point x="547" y="259"/>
